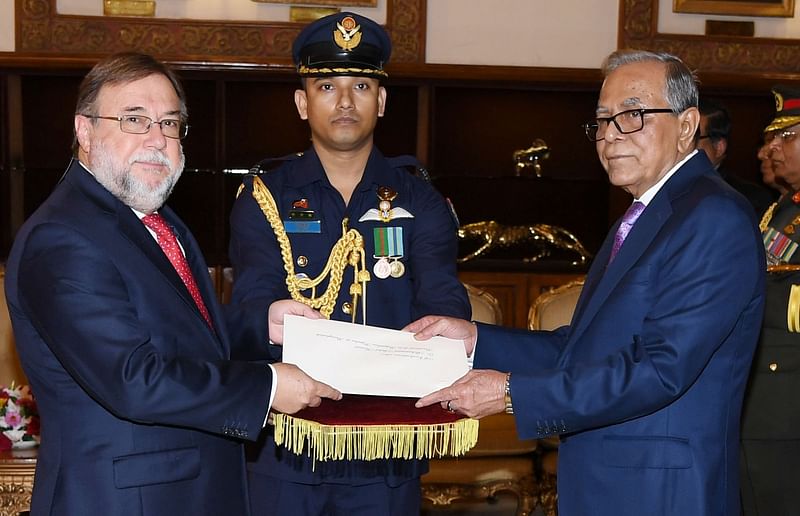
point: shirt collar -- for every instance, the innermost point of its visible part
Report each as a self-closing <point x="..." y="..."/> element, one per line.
<point x="653" y="190"/>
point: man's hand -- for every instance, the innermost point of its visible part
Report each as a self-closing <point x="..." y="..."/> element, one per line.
<point x="296" y="390"/>
<point x="478" y="393"/>
<point x="432" y="325"/>
<point x="286" y="307"/>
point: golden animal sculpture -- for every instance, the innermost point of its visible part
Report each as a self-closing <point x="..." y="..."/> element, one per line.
<point x="348" y="250"/>
<point x="494" y="235"/>
<point x="531" y="157"/>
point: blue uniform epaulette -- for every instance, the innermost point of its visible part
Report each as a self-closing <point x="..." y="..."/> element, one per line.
<point x="267" y="164"/>
<point x="410" y="163"/>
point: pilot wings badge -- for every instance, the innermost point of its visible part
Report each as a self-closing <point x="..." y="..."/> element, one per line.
<point x="393" y="213"/>
<point x="347" y="34"/>
<point x="385" y="212"/>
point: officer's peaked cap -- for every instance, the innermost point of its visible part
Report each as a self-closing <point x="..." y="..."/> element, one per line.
<point x="342" y="44"/>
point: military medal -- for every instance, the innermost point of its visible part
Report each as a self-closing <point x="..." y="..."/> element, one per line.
<point x="780" y="248"/>
<point x="397" y="269"/>
<point x="382" y="269"/>
<point x="388" y="251"/>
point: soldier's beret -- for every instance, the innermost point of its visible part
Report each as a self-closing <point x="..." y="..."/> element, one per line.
<point x="342" y="44"/>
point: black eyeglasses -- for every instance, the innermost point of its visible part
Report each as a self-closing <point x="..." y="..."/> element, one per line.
<point x="626" y="122"/>
<point x="140" y="124"/>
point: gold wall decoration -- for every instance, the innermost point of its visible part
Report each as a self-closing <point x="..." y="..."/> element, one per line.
<point x="44" y="34"/>
<point x="780" y="8"/>
<point x="776" y="57"/>
<point x="309" y="14"/>
<point x="340" y="3"/>
<point x="129" y="8"/>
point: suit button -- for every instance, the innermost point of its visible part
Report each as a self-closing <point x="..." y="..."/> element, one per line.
<point x="347" y="308"/>
<point x="773" y="367"/>
<point x="302" y="261"/>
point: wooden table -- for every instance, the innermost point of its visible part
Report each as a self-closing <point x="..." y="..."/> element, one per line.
<point x="16" y="480"/>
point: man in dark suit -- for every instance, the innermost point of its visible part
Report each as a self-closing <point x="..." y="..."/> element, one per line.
<point x="771" y="416"/>
<point x="712" y="138"/>
<point x="117" y="326"/>
<point x="645" y="385"/>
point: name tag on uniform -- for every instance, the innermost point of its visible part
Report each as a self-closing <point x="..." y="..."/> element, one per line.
<point x="302" y="226"/>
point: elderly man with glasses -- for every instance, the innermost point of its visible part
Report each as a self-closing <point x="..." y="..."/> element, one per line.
<point x="771" y="417"/>
<point x="645" y="385"/>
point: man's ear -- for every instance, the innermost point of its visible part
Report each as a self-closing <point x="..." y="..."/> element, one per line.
<point x="381" y="100"/>
<point x="721" y="147"/>
<point x="301" y="101"/>
<point x="689" y="121"/>
<point x="83" y="132"/>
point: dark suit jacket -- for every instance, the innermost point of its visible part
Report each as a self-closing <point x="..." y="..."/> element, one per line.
<point x="136" y="392"/>
<point x="645" y="386"/>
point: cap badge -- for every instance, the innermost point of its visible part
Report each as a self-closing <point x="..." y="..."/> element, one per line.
<point x="347" y="34"/>
<point x="778" y="102"/>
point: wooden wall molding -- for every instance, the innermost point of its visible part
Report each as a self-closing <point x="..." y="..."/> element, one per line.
<point x="42" y="32"/>
<point x="760" y="57"/>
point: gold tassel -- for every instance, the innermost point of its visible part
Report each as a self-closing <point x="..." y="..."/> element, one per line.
<point x="373" y="442"/>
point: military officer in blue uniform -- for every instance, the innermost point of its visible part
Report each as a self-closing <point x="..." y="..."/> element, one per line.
<point x="354" y="234"/>
<point x="771" y="415"/>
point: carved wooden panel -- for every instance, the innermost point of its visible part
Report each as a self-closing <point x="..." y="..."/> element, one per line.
<point x="750" y="56"/>
<point x="16" y="481"/>
<point x="40" y="30"/>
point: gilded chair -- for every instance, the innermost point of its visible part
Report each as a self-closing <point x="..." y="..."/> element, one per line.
<point x="551" y="310"/>
<point x="499" y="463"/>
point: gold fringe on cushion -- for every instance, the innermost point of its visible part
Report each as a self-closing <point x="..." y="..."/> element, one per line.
<point x="373" y="442"/>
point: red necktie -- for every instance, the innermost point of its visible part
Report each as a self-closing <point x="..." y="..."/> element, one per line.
<point x="169" y="244"/>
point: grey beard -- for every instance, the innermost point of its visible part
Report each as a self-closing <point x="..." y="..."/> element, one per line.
<point x="118" y="179"/>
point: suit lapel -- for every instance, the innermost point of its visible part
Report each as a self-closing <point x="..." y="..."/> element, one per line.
<point x="595" y="273"/>
<point x="603" y="280"/>
<point x="197" y="264"/>
<point x="132" y="228"/>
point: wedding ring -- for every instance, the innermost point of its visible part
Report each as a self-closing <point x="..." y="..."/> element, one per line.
<point x="449" y="407"/>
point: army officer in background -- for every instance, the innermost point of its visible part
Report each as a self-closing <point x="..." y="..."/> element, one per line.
<point x="771" y="417"/>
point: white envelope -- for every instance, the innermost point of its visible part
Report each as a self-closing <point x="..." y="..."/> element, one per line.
<point x="357" y="359"/>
